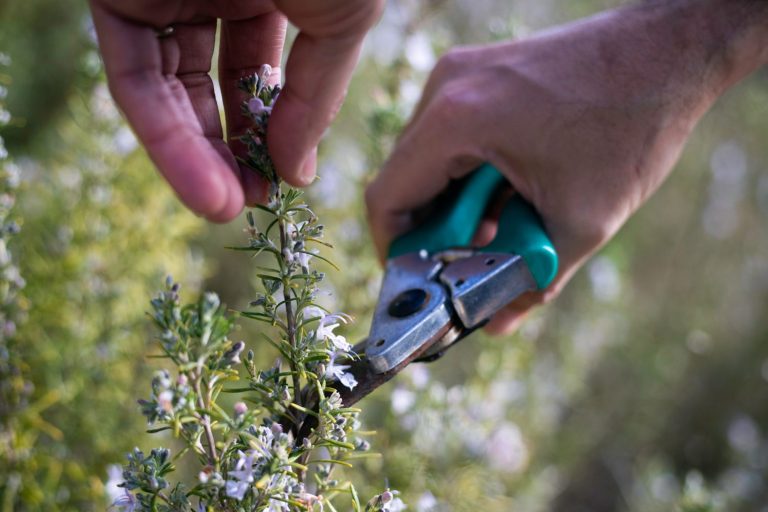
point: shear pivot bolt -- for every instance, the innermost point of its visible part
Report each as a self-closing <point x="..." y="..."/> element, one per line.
<point x="408" y="302"/>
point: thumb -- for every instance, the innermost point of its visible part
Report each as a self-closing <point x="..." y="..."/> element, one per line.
<point x="428" y="155"/>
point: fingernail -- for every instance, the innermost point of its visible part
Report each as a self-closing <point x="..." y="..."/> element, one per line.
<point x="308" y="168"/>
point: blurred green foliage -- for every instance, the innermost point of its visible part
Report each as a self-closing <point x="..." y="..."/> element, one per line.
<point x="99" y="235"/>
<point x="641" y="389"/>
<point x="52" y="59"/>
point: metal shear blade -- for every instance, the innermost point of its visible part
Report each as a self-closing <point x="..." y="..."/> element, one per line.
<point x="428" y="303"/>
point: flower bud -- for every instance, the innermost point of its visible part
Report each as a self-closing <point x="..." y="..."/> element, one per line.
<point x="240" y="409"/>
<point x="205" y="475"/>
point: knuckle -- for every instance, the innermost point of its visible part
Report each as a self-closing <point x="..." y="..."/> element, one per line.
<point x="593" y="234"/>
<point x="359" y="16"/>
<point x="453" y="102"/>
<point x="452" y="61"/>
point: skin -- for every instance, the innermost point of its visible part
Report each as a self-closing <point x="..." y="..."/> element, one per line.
<point x="585" y="120"/>
<point x="164" y="88"/>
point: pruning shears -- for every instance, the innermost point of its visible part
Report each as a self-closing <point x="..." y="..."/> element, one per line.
<point x="437" y="288"/>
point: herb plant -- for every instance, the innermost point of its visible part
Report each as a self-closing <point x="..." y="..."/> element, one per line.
<point x="277" y="447"/>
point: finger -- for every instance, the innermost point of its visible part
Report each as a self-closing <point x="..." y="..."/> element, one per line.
<point x="318" y="70"/>
<point x="172" y="137"/>
<point x="509" y="319"/>
<point x="191" y="81"/>
<point x="245" y="46"/>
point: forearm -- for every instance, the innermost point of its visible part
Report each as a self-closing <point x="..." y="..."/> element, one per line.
<point x="703" y="47"/>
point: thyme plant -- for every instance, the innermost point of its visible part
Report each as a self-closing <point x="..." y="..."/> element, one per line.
<point x="277" y="447"/>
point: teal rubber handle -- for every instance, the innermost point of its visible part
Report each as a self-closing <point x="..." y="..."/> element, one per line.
<point x="520" y="229"/>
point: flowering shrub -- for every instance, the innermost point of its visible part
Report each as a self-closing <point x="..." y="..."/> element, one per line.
<point x="276" y="448"/>
<point x="15" y="388"/>
<point x="90" y="249"/>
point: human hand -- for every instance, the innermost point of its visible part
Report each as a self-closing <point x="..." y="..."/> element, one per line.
<point x="585" y="120"/>
<point x="163" y="86"/>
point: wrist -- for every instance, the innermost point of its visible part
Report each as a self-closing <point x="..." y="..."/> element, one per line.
<point x="716" y="43"/>
<point x="741" y="29"/>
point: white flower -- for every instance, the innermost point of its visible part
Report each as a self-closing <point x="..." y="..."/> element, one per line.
<point x="326" y="325"/>
<point x="506" y="448"/>
<point x="127" y="502"/>
<point x="402" y="400"/>
<point x="427" y="502"/>
<point x="337" y="371"/>
<point x="242" y="476"/>
<point x="114" y="478"/>
<point x="302" y="258"/>
<point x="396" y="505"/>
<point x="312" y="313"/>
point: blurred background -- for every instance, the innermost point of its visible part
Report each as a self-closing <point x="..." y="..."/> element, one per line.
<point x="643" y="388"/>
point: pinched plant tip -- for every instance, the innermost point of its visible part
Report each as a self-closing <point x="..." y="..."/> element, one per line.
<point x="258" y="107"/>
<point x="250" y="455"/>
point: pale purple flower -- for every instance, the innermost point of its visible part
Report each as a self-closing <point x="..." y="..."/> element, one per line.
<point x="278" y="506"/>
<point x="257" y="107"/>
<point x="240" y="408"/>
<point x="127" y="502"/>
<point x="242" y="476"/>
<point x="266" y="438"/>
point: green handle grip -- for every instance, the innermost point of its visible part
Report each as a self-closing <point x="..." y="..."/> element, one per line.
<point x="520" y="230"/>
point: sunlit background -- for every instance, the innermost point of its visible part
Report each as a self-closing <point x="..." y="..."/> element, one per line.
<point x="643" y="388"/>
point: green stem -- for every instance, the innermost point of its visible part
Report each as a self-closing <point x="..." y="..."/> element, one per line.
<point x="290" y="319"/>
<point x="206" y="420"/>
